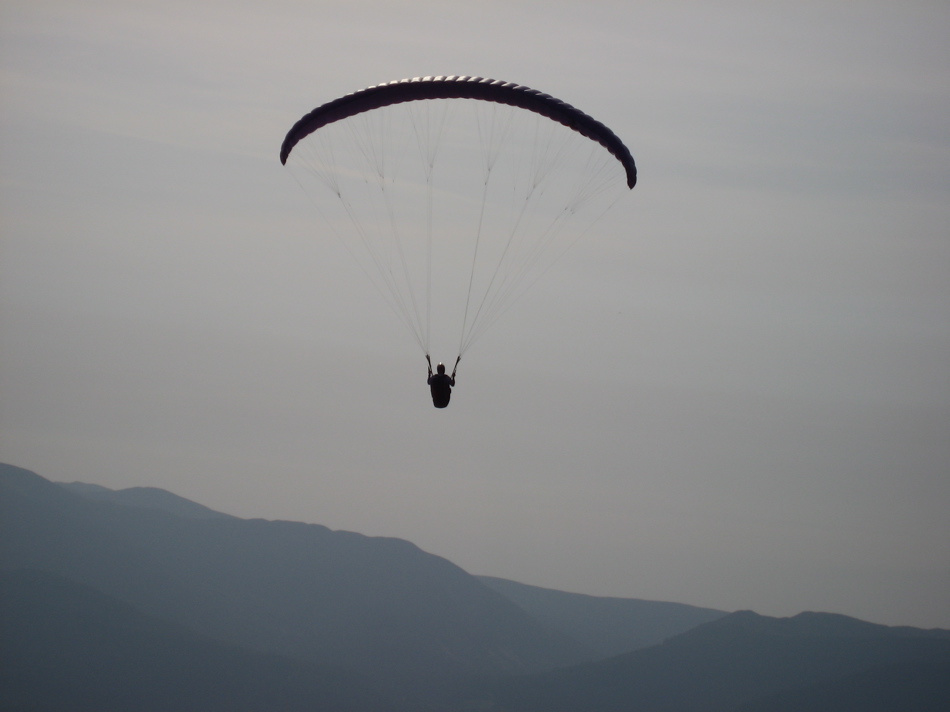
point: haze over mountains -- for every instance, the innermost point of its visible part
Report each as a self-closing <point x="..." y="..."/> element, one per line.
<point x="139" y="599"/>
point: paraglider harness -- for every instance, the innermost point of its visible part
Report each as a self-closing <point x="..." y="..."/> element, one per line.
<point x="440" y="385"/>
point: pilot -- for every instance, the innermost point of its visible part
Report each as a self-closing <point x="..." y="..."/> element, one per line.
<point x="440" y="386"/>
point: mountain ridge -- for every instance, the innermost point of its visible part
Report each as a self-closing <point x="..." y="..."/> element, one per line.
<point x="405" y="630"/>
<point x="415" y="620"/>
<point x="146" y="498"/>
<point x="740" y="660"/>
<point x="608" y="625"/>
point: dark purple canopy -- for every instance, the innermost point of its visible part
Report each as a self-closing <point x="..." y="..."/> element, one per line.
<point x="461" y="88"/>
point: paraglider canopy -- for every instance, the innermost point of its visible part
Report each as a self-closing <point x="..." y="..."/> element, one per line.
<point x="456" y="193"/>
<point x="453" y="87"/>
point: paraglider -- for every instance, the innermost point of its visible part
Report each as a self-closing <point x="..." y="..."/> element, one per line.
<point x="440" y="385"/>
<point x="455" y="194"/>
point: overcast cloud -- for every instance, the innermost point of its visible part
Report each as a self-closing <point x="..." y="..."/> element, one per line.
<point x="735" y="393"/>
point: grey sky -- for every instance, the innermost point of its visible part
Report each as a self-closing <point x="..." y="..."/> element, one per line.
<point x="735" y="393"/>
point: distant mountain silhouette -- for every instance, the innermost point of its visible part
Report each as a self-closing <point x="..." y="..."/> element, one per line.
<point x="606" y="626"/>
<point x="139" y="599"/>
<point x="413" y="621"/>
<point x="146" y="498"/>
<point x="752" y="663"/>
<point x="603" y="626"/>
<point x="65" y="647"/>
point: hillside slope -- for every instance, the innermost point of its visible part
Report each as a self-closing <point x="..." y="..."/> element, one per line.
<point x="605" y="626"/>
<point x="413" y="621"/>
<point x="64" y="646"/>
<point x="748" y="660"/>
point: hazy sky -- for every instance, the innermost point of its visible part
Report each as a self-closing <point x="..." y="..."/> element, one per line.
<point x="735" y="393"/>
